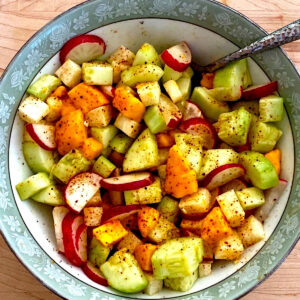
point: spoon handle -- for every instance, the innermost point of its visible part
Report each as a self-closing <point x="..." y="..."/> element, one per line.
<point x="284" y="35"/>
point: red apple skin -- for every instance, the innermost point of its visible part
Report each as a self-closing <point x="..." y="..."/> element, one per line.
<point x="255" y="93"/>
<point x="120" y="212"/>
<point x="92" y="272"/>
<point x="246" y="147"/>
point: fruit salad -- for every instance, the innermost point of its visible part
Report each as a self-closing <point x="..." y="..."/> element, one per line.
<point x="154" y="172"/>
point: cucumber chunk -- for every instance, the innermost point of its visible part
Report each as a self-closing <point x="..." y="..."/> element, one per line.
<point x="251" y="197"/>
<point x="103" y="166"/>
<point x="121" y="143"/>
<point x="271" y="109"/>
<point x="51" y="195"/>
<point x="123" y="273"/>
<point x="44" y="86"/>
<point x="259" y="169"/>
<point x="168" y="208"/>
<point x="97" y="73"/>
<point x="170" y="74"/>
<point x="177" y="258"/>
<point x="104" y="135"/>
<point x="185" y="86"/>
<point x="181" y="284"/>
<point x="188" y="73"/>
<point x="154" y="119"/>
<point x="37" y="158"/>
<point x="33" y="185"/>
<point x="147" y="55"/>
<point x="149" y="92"/>
<point x="251" y="106"/>
<point x="98" y="253"/>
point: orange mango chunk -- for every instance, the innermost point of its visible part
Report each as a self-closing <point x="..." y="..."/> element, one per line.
<point x="143" y="254"/>
<point x="164" y="140"/>
<point x="274" y="157"/>
<point x="91" y="148"/>
<point x="147" y="219"/>
<point x="207" y="80"/>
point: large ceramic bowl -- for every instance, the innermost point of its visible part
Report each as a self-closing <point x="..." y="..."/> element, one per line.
<point x="212" y="30"/>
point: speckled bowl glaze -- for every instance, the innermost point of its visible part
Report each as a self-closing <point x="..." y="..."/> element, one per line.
<point x="212" y="30"/>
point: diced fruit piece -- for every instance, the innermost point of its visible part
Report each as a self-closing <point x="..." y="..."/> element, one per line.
<point x="123" y="273"/>
<point x="196" y="204"/>
<point x="91" y="148"/>
<point x="60" y="92"/>
<point x="147" y="219"/>
<point x="108" y="90"/>
<point x="202" y="129"/>
<point x="59" y="213"/>
<point x="103" y="167"/>
<point x="70" y="165"/>
<point x="149" y="92"/>
<point x="141" y="73"/>
<point x="120" y="212"/>
<point x="231" y="208"/>
<point x="224" y="93"/>
<point x="251" y="232"/>
<point x="229" y="248"/>
<point x="98" y="253"/>
<point x="145" y="195"/>
<point x="170" y="112"/>
<point x="271" y="197"/>
<point x="181" y="180"/>
<point x="181" y="284"/>
<point x="92" y="216"/>
<point x="110" y="232"/>
<point x="193" y="226"/>
<point x="37" y="158"/>
<point x="162" y="171"/>
<point x="164" y="140"/>
<point x="104" y="135"/>
<point x="258" y="91"/>
<point x="215" y="226"/>
<point x="263" y="137"/>
<point x="215" y="158"/>
<point x="69" y="73"/>
<point x="170" y="74"/>
<point x="173" y="90"/>
<point x="188" y="73"/>
<point x="130" y="242"/>
<point x="210" y="106"/>
<point x="163" y="155"/>
<point x="33" y="185"/>
<point x="95" y="201"/>
<point x="50" y="195"/>
<point x="121" y="143"/>
<point x="169" y="209"/>
<point x="222" y="175"/>
<point x="70" y="132"/>
<point x="33" y="110"/>
<point x="100" y="116"/>
<point x="143" y="254"/>
<point x="185" y="86"/>
<point x="234" y="127"/>
<point x="236" y="185"/>
<point x="128" y="126"/>
<point x="178" y="57"/>
<point x="82" y="48"/>
<point x="274" y="157"/>
<point x="271" y="109"/>
<point x="204" y="269"/>
<point x="154" y="119"/>
<point x="97" y="73"/>
<point x="106" y="152"/>
<point x="259" y="169"/>
<point x="130" y="222"/>
<point x="251" y="198"/>
<point x="154" y="285"/>
<point x="44" y="86"/>
<point x="143" y="153"/>
<point x="235" y="75"/>
<point x="146" y="55"/>
<point x="55" y="106"/>
<point x="251" y="106"/>
<point x="177" y="258"/>
<point x="94" y="273"/>
<point x="207" y="80"/>
<point x="80" y="190"/>
<point x="117" y="158"/>
<point x="190" y="111"/>
<point x="67" y="107"/>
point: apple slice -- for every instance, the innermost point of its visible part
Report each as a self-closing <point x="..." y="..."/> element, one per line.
<point x="235" y="184"/>
<point x="223" y="175"/>
<point x="108" y="90"/>
<point x="80" y="189"/>
<point x="82" y="48"/>
<point x="43" y="135"/>
<point x="178" y="57"/>
<point x="120" y="212"/>
<point x="59" y="213"/>
<point x="271" y="197"/>
<point x="258" y="91"/>
<point x="246" y="147"/>
<point x="94" y="274"/>
<point x="203" y="128"/>
<point x="170" y="111"/>
<point x="191" y="111"/>
<point x="72" y="230"/>
<point x="128" y="182"/>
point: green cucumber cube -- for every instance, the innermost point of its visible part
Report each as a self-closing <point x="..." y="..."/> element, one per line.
<point x="97" y="73"/>
<point x="271" y="109"/>
<point x="105" y="134"/>
<point x="103" y="166"/>
<point x="154" y="119"/>
<point x="170" y="74"/>
<point x="147" y="55"/>
<point x="223" y="93"/>
<point x="185" y="86"/>
<point x="168" y="208"/>
<point x="149" y="92"/>
<point x="51" y="195"/>
<point x="106" y="152"/>
<point x="98" y="253"/>
<point x="188" y="73"/>
<point x="121" y="143"/>
<point x="251" y="106"/>
<point x="181" y="284"/>
<point x="33" y="185"/>
<point x="162" y="171"/>
<point x="251" y="197"/>
<point x="44" y="86"/>
<point x="163" y="155"/>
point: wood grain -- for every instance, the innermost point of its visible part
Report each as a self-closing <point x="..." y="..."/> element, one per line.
<point x="19" y="20"/>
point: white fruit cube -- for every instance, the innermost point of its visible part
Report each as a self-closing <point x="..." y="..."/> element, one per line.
<point x="97" y="73"/>
<point x="92" y="216"/>
<point x="128" y="126"/>
<point x="33" y="110"/>
<point x="69" y="73"/>
<point x="149" y="93"/>
<point x="204" y="269"/>
<point x="229" y="248"/>
<point x="100" y="116"/>
<point x="130" y="242"/>
<point x="95" y="200"/>
<point x="251" y="232"/>
<point x="231" y="208"/>
<point x="154" y="285"/>
<point x="173" y="90"/>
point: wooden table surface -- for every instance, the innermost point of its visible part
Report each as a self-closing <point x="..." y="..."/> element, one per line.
<point x="20" y="19"/>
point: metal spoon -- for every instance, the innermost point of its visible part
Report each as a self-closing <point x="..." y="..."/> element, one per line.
<point x="284" y="35"/>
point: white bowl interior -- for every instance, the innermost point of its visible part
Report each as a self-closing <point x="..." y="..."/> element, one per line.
<point x="206" y="46"/>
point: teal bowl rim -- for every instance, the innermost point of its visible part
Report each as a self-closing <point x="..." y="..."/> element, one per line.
<point x="221" y="20"/>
